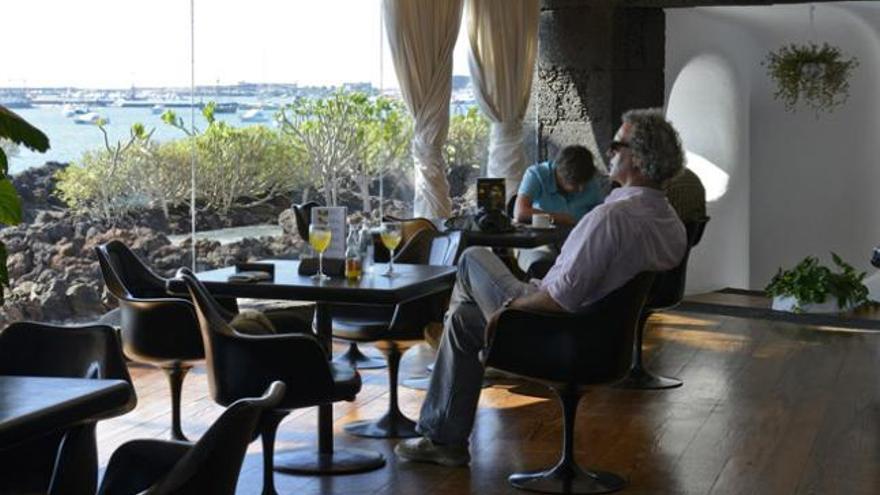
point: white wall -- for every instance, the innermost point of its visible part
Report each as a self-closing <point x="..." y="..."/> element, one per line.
<point x="708" y="94"/>
<point x="799" y="185"/>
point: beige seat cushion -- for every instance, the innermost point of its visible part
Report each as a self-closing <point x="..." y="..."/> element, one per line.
<point x="252" y="322"/>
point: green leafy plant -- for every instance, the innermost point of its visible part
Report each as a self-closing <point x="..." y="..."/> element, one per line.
<point x="810" y="282"/>
<point x="346" y="138"/>
<point x="236" y="167"/>
<point x="816" y="75"/>
<point x="20" y="132"/>
<point x="467" y="149"/>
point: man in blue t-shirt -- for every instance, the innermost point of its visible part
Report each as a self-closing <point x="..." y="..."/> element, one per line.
<point x="567" y="188"/>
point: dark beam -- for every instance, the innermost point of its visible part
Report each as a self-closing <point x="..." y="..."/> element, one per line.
<point x="595" y="61"/>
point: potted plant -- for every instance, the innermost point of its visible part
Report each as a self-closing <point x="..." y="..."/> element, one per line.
<point x="17" y="130"/>
<point x="816" y="75"/>
<point x="813" y="288"/>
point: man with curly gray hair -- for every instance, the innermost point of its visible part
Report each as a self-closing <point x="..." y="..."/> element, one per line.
<point x="653" y="144"/>
<point x="632" y="231"/>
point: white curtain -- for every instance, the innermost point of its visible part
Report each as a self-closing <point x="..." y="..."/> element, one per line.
<point x="421" y="35"/>
<point x="503" y="43"/>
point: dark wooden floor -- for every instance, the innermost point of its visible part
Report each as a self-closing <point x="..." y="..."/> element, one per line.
<point x="767" y="408"/>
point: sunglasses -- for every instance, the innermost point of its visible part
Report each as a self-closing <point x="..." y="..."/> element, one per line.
<point x="616" y="146"/>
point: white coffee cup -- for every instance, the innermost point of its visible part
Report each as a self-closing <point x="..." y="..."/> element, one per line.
<point x="542" y="220"/>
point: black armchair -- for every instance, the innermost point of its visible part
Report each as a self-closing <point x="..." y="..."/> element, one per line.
<point x="156" y="328"/>
<point x="212" y="465"/>
<point x="303" y="216"/>
<point x="393" y="330"/>
<point x="666" y="293"/>
<point x="65" y="462"/>
<point x="244" y="365"/>
<point x="566" y="352"/>
<point x="415" y="243"/>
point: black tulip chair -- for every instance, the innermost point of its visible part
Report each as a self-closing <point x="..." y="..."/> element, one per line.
<point x="394" y="329"/>
<point x="511" y="207"/>
<point x="243" y="365"/>
<point x="303" y="216"/>
<point x="61" y="462"/>
<point x="212" y="465"/>
<point x="666" y="293"/>
<point x="416" y="235"/>
<point x="567" y="352"/>
<point x="157" y="329"/>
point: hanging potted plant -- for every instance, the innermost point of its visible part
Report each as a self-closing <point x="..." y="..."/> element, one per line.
<point x="816" y="75"/>
<point x="811" y="287"/>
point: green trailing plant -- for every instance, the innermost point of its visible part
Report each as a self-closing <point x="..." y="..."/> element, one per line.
<point x="816" y="75"/>
<point x="810" y="282"/>
<point x="20" y="132"/>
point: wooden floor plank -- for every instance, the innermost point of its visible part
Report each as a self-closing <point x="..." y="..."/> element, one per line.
<point x="766" y="408"/>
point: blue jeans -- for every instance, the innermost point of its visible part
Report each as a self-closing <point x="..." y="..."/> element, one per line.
<point x="482" y="286"/>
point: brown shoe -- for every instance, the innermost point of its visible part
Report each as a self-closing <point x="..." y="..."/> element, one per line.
<point x="424" y="450"/>
<point x="433" y="333"/>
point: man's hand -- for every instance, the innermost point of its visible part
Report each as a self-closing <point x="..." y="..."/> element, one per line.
<point x="537" y="301"/>
<point x="563" y="219"/>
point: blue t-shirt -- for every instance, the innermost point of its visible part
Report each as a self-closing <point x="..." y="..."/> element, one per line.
<point x="539" y="183"/>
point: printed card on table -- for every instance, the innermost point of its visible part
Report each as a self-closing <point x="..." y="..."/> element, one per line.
<point x="334" y="216"/>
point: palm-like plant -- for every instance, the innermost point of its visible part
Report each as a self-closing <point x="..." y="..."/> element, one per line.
<point x="17" y="130"/>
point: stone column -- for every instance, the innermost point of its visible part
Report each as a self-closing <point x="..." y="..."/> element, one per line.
<point x="595" y="61"/>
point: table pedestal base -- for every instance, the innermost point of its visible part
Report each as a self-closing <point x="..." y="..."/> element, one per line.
<point x="568" y="479"/>
<point x="355" y="358"/>
<point x="639" y="378"/>
<point x="391" y="425"/>
<point x="308" y="460"/>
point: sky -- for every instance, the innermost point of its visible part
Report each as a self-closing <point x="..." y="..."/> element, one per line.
<point x="118" y="43"/>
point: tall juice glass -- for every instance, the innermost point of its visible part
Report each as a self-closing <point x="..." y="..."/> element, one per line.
<point x="390" y="233"/>
<point x="319" y="238"/>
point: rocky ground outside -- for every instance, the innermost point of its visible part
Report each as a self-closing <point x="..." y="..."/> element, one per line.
<point x="53" y="269"/>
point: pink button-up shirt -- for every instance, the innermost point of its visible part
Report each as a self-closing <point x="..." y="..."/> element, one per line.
<point x="634" y="230"/>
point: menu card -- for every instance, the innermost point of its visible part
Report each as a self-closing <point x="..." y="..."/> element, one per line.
<point x="490" y="194"/>
<point x="334" y="217"/>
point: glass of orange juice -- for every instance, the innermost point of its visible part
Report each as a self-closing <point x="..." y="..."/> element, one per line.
<point x="390" y="233"/>
<point x="319" y="239"/>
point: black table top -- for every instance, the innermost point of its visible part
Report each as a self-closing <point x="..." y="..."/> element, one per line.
<point x="412" y="281"/>
<point x="522" y="237"/>
<point x="31" y="406"/>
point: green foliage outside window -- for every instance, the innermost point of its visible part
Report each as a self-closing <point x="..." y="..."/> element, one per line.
<point x="15" y="129"/>
<point x="234" y="166"/>
<point x="335" y="145"/>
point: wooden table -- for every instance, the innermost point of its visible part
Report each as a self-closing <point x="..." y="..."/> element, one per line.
<point x="34" y="406"/>
<point x="411" y="282"/>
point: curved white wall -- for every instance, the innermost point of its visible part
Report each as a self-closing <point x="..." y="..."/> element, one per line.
<point x="808" y="185"/>
<point x="708" y="93"/>
<point x="709" y="107"/>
